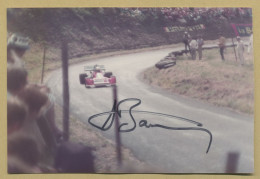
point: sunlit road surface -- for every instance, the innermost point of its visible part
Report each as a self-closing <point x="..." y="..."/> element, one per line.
<point x="169" y="151"/>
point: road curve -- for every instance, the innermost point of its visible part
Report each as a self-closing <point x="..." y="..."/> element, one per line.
<point x="170" y="151"/>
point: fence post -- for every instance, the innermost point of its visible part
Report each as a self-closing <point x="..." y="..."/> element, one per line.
<point x="43" y="63"/>
<point x="232" y="162"/>
<point x="117" y="134"/>
<point x="64" y="55"/>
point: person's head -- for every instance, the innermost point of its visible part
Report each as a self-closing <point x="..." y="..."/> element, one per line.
<point x="185" y="32"/>
<point x="16" y="78"/>
<point x="16" y="114"/>
<point x="97" y="69"/>
<point x="238" y="38"/>
<point x="33" y="97"/>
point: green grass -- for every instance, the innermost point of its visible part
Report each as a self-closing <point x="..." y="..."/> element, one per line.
<point x="33" y="59"/>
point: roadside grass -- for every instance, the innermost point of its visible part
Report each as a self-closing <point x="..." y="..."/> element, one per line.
<point x="104" y="150"/>
<point x="226" y="84"/>
<point x="34" y="60"/>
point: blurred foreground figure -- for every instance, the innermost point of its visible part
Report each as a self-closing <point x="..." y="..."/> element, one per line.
<point x="74" y="158"/>
<point x="23" y="154"/>
<point x="30" y="109"/>
<point x="16" y="47"/>
<point x="16" y="79"/>
<point x="16" y="115"/>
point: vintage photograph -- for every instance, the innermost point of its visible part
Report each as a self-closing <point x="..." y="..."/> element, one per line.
<point x="130" y="90"/>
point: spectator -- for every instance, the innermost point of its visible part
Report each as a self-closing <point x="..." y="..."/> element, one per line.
<point x="34" y="100"/>
<point x="49" y="112"/>
<point x="34" y="96"/>
<point x="74" y="158"/>
<point x="222" y="45"/>
<point x="186" y="40"/>
<point x="16" y="115"/>
<point x="41" y="115"/>
<point x="200" y="42"/>
<point x="250" y="43"/>
<point x="193" y="48"/>
<point x="16" y="79"/>
<point x="23" y="154"/>
<point x="30" y="112"/>
<point x="240" y="50"/>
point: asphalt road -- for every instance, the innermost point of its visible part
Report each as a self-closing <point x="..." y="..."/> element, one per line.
<point x="169" y="151"/>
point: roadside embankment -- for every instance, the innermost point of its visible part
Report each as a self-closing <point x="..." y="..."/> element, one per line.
<point x="222" y="83"/>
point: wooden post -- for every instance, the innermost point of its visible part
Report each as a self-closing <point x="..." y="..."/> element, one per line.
<point x="117" y="134"/>
<point x="64" y="55"/>
<point x="43" y="63"/>
<point x="232" y="162"/>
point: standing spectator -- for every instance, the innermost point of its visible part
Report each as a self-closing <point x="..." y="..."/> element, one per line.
<point x="23" y="154"/>
<point x="222" y="44"/>
<point x="16" y="79"/>
<point x="240" y="50"/>
<point x="200" y="42"/>
<point x="16" y="115"/>
<point x="250" y="43"/>
<point x="186" y="40"/>
<point x="193" y="48"/>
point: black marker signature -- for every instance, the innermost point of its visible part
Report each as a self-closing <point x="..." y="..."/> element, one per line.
<point x="143" y="123"/>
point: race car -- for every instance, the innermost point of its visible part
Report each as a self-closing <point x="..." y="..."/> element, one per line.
<point x="96" y="76"/>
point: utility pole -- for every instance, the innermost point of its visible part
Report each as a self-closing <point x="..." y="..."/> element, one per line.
<point x="64" y="54"/>
<point x="117" y="134"/>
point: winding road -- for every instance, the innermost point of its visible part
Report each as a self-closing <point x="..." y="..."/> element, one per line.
<point x="170" y="151"/>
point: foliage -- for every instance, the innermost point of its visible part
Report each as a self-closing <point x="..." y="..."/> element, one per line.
<point x="56" y="24"/>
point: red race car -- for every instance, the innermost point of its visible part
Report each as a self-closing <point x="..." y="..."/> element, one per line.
<point x="96" y="76"/>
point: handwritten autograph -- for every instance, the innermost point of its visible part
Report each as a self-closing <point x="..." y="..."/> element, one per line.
<point x="142" y="123"/>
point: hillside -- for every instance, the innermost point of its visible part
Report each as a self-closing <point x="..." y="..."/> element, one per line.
<point x="96" y="30"/>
